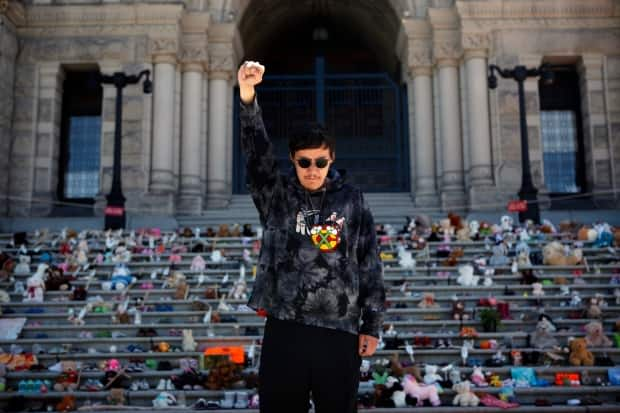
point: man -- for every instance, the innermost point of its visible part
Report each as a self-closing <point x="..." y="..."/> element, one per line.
<point x="319" y="271"/>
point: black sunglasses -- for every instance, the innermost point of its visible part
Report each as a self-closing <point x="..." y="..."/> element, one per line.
<point x="306" y="162"/>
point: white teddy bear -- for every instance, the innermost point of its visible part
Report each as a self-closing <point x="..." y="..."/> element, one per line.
<point x="35" y="285"/>
<point x="464" y="395"/>
<point x="466" y="276"/>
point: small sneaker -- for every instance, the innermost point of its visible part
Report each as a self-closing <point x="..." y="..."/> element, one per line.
<point x="162" y="384"/>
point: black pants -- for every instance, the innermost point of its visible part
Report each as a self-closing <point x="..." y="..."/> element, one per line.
<point x="297" y="360"/>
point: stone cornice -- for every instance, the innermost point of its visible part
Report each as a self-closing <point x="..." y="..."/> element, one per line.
<point x="14" y="11"/>
<point x="538" y="9"/>
<point x="443" y="19"/>
<point x="109" y="14"/>
<point x="195" y="23"/>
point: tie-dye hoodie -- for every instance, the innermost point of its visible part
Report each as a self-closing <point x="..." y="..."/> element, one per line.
<point x="319" y="262"/>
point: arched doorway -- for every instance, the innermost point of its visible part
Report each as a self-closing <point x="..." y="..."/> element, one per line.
<point x="332" y="62"/>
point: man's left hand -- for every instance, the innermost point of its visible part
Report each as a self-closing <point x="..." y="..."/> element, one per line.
<point x="367" y="345"/>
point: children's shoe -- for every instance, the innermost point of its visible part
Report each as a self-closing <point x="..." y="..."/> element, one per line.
<point x="242" y="400"/>
<point x="229" y="400"/>
<point x="162" y="384"/>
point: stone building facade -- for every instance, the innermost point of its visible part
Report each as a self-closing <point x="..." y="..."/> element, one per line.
<point x="177" y="146"/>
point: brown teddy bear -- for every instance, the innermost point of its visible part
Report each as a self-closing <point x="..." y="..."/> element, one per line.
<point x="554" y="253"/>
<point x="595" y="336"/>
<point x="579" y="354"/>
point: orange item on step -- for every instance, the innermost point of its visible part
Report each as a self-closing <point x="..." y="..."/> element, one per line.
<point x="236" y="353"/>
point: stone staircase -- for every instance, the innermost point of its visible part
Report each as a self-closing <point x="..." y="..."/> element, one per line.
<point x="432" y="332"/>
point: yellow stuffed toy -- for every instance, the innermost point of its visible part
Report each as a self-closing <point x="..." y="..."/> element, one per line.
<point x="554" y="253"/>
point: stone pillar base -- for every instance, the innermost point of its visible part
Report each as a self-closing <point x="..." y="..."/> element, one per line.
<point x="454" y="201"/>
<point x="484" y="198"/>
<point x="217" y="201"/>
<point x="189" y="204"/>
<point x="426" y="200"/>
<point x="159" y="204"/>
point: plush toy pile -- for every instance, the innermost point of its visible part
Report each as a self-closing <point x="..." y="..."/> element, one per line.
<point x="476" y="312"/>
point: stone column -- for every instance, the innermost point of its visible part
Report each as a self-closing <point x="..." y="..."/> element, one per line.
<point x="426" y="191"/>
<point x="452" y="189"/>
<point x="190" y="197"/>
<point x="447" y="51"/>
<point x="162" y="166"/>
<point x="221" y="67"/>
<point x="194" y="57"/>
<point x="480" y="170"/>
<point x="217" y="196"/>
<point x="414" y="46"/>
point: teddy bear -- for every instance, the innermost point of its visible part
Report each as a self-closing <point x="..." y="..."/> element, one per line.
<point x="189" y="344"/>
<point x="595" y="306"/>
<point x="464" y="395"/>
<point x="430" y="374"/>
<point x="23" y="267"/>
<point x="586" y="233"/>
<point x="458" y="310"/>
<point x="466" y="276"/>
<point x="398" y="370"/>
<point x="579" y="354"/>
<point x="428" y="301"/>
<point x="69" y="378"/>
<point x="555" y="254"/>
<point x="35" y="285"/>
<point x="537" y="290"/>
<point x="595" y="336"/>
<point x="67" y="404"/>
<point x="542" y="337"/>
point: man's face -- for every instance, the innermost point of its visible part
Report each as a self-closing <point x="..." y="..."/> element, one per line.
<point x="312" y="177"/>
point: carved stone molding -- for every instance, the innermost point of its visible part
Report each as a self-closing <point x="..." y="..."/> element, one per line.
<point x="447" y="49"/>
<point x="475" y="41"/>
<point x="194" y="53"/>
<point x="14" y="11"/>
<point x="540" y="9"/>
<point x="163" y="46"/>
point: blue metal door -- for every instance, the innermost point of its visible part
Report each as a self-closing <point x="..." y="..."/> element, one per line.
<point x="366" y="113"/>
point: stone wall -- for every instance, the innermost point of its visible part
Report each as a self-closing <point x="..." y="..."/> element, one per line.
<point x="8" y="46"/>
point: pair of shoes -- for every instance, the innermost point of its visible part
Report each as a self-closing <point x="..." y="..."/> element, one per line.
<point x="236" y="400"/>
<point x="139" y="385"/>
<point x="92" y="385"/>
<point x="165" y="384"/>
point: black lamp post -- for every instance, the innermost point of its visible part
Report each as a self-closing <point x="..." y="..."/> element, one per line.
<point x="115" y="209"/>
<point x="527" y="192"/>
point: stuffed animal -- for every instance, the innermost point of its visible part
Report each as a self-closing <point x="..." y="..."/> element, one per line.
<point x="428" y="301"/>
<point x="579" y="354"/>
<point x="555" y="254"/>
<point x="69" y="378"/>
<point x="466" y="276"/>
<point x="198" y="264"/>
<point x="23" y="267"/>
<point x="67" y="404"/>
<point x="587" y="234"/>
<point x="35" y="285"/>
<point x="464" y="395"/>
<point x="117" y="397"/>
<point x="477" y="377"/>
<point x="595" y="307"/>
<point x="398" y="370"/>
<point x="164" y="399"/>
<point x="537" y="290"/>
<point x="189" y="344"/>
<point x="499" y="258"/>
<point x="595" y="337"/>
<point x="430" y="374"/>
<point x="413" y="389"/>
<point x="458" y="310"/>
<point x="543" y="337"/>
<point x="405" y="258"/>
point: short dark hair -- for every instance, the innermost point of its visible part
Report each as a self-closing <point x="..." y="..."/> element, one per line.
<point x="311" y="136"/>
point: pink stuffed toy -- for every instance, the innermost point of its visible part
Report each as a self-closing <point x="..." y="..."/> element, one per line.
<point x="421" y="393"/>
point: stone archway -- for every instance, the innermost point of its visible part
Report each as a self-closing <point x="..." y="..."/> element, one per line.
<point x="326" y="45"/>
